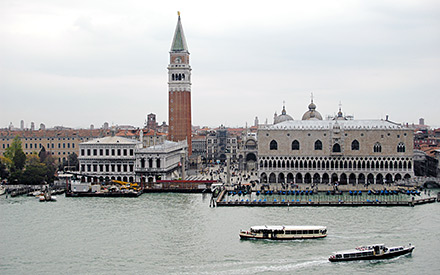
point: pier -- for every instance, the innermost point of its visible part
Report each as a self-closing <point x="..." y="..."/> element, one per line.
<point x="104" y="194"/>
<point x="179" y="186"/>
<point x="125" y="189"/>
<point x="343" y="196"/>
<point x="30" y="190"/>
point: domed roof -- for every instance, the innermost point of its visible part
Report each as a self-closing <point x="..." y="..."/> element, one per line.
<point x="340" y="115"/>
<point x="312" y="114"/>
<point x="281" y="118"/>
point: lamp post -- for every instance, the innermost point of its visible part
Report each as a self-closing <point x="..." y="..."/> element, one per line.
<point x="228" y="170"/>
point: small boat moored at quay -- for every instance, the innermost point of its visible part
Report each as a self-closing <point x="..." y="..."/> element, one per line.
<point x="281" y="232"/>
<point x="46" y="197"/>
<point x="371" y="252"/>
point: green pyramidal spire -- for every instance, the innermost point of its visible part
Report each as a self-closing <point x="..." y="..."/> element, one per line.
<point x="179" y="41"/>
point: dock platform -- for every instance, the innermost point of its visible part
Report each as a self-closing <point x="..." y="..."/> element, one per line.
<point x="228" y="198"/>
<point x="104" y="194"/>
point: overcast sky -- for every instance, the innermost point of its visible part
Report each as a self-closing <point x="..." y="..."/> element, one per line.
<point x="82" y="62"/>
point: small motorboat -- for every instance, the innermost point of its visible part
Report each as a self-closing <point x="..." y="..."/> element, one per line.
<point x="371" y="252"/>
<point x="46" y="197"/>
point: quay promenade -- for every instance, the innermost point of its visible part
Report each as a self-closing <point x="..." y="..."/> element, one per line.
<point x="245" y="190"/>
<point x="325" y="195"/>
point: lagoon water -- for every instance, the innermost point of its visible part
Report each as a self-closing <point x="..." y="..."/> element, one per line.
<point x="181" y="234"/>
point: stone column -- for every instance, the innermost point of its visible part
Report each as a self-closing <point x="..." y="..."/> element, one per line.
<point x="182" y="161"/>
<point x="228" y="171"/>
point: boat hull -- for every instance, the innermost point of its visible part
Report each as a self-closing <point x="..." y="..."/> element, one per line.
<point x="277" y="237"/>
<point x="389" y="255"/>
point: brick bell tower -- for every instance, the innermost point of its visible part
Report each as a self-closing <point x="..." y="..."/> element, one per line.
<point x="179" y="89"/>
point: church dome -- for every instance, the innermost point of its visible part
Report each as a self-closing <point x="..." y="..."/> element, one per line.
<point x="312" y="114"/>
<point x="340" y="115"/>
<point x="281" y="118"/>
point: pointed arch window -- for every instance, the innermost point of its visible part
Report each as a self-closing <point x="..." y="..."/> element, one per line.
<point x="295" y="145"/>
<point x="336" y="148"/>
<point x="377" y="148"/>
<point x="355" y="145"/>
<point x="273" y="145"/>
<point x="318" y="145"/>
<point x="401" y="147"/>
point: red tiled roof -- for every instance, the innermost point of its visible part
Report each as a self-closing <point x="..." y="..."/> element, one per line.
<point x="55" y="133"/>
<point x="429" y="150"/>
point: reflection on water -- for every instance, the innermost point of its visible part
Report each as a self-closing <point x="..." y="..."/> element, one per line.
<point x="181" y="234"/>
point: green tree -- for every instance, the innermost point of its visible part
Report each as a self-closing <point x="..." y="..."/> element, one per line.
<point x="73" y="162"/>
<point x="51" y="168"/>
<point x="35" y="172"/>
<point x="3" y="168"/>
<point x="49" y="162"/>
<point x="16" y="159"/>
<point x="70" y="164"/>
<point x="42" y="154"/>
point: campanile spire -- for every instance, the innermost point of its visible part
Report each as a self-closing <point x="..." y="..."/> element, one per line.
<point x="179" y="88"/>
<point x="179" y="41"/>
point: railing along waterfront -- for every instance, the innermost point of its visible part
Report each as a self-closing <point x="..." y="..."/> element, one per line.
<point x="310" y="198"/>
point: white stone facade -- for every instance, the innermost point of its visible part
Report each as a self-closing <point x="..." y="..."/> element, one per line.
<point x="160" y="162"/>
<point x="344" y="151"/>
<point x="118" y="158"/>
<point x="108" y="158"/>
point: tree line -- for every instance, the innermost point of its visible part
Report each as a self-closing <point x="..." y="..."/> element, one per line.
<point x="36" y="168"/>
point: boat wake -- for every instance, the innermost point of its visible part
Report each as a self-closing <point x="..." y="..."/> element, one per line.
<point x="258" y="267"/>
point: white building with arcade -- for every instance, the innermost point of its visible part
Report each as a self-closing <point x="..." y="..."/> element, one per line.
<point x="340" y="150"/>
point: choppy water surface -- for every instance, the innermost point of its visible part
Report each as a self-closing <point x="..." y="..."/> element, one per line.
<point x="180" y="234"/>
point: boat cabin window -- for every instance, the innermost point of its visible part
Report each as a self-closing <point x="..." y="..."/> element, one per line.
<point x="339" y="256"/>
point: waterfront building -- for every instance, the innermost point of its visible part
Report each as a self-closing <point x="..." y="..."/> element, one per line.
<point x="160" y="162"/>
<point x="59" y="142"/>
<point x="179" y="89"/>
<point x="340" y="150"/>
<point x="125" y="158"/>
<point x="108" y="158"/>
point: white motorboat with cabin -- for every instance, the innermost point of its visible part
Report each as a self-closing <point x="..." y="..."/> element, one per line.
<point x="371" y="252"/>
<point x="284" y="232"/>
